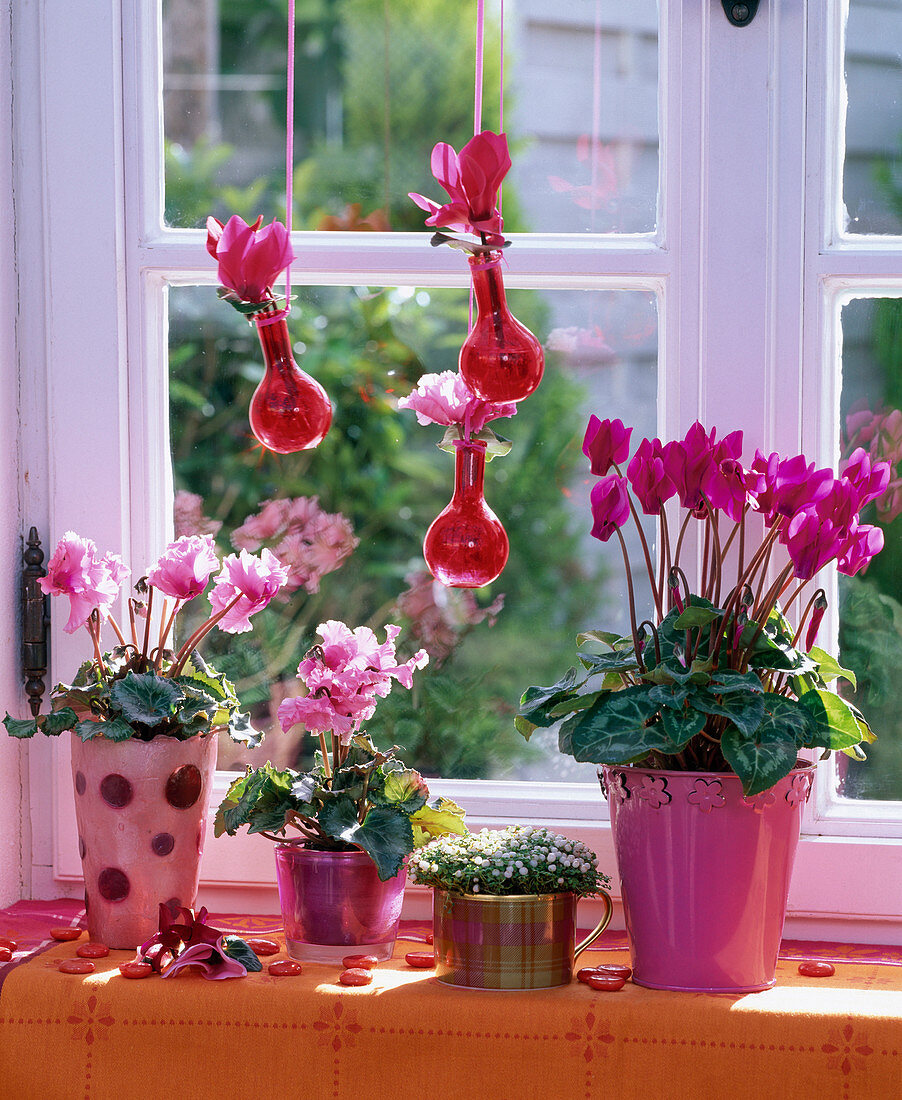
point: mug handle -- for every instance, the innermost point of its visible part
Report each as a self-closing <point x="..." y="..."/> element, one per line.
<point x="600" y="927"/>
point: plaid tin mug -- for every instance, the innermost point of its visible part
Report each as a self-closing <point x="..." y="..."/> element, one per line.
<point x="521" y="941"/>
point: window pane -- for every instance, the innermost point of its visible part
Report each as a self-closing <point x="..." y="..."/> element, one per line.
<point x="871" y="602"/>
<point x="378" y="83"/>
<point x="872" y="183"/>
<point x="382" y="479"/>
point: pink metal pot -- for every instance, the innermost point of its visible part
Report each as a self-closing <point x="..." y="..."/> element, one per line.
<point x="141" y="808"/>
<point x="704" y="873"/>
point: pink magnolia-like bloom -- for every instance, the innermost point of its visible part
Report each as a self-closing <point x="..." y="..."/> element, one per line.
<point x="254" y="579"/>
<point x="472" y="179"/>
<point x="184" y="567"/>
<point x="344" y="676"/>
<point x="610" y="507"/>
<point x="188" y="513"/>
<point x="864" y="543"/>
<point x="90" y="582"/>
<point x="250" y="258"/>
<point x="606" y="444"/>
<point x="647" y="477"/>
<point x="812" y="542"/>
<point x="446" y="399"/>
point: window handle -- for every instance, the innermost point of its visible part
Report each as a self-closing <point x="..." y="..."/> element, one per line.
<point x="36" y="615"/>
<point x="740" y="14"/>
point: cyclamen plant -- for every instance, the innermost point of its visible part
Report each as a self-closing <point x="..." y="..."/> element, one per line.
<point x="144" y="686"/>
<point x="521" y="859"/>
<point x="356" y="796"/>
<point x="720" y="680"/>
<point x="446" y="399"/>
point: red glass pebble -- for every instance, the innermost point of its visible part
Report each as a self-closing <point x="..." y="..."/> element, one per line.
<point x="116" y="790"/>
<point x="183" y="787"/>
<point x="162" y="844"/>
<point x="287" y="968"/>
<point x="80" y="783"/>
<point x="262" y="947"/>
<point x="5" y="954"/>
<point x="135" y="970"/>
<point x="363" y="962"/>
<point x="92" y="951"/>
<point x="605" y="981"/>
<point x="423" y="960"/>
<point x="356" y="976"/>
<point x="430" y="938"/>
<point x="64" y="934"/>
<point x="113" y="884"/>
<point x="619" y="970"/>
<point x="811" y="968"/>
<point x="586" y="972"/>
<point x="76" y="966"/>
<point x="6" y="942"/>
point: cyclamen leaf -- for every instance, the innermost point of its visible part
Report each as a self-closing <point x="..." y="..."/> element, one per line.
<point x="836" y="724"/>
<point x="146" y="698"/>
<point x="386" y="833"/>
<point x="744" y="711"/>
<point x="20" y="727"/>
<point x="403" y="789"/>
<point x="439" y="818"/>
<point x="241" y="730"/>
<point x="697" y="616"/>
<point x="680" y="726"/>
<point x="828" y="668"/>
<point x="606" y="636"/>
<point x="236" y="948"/>
<point x="761" y="761"/>
<point x="614" y="729"/>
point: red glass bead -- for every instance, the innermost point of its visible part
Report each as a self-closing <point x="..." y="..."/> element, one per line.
<point x="261" y="946"/>
<point x="813" y="968"/>
<point x="356" y="976"/>
<point x="6" y="942"/>
<point x="609" y="982"/>
<point x="92" y="951"/>
<point x="5" y="954"/>
<point x="422" y="960"/>
<point x="500" y="360"/>
<point x="363" y="962"/>
<point x="64" y="934"/>
<point x="136" y="970"/>
<point x="466" y="545"/>
<point x="76" y="966"/>
<point x="290" y="411"/>
<point x="287" y="968"/>
<point x="620" y="970"/>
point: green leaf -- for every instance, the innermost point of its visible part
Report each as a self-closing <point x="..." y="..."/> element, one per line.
<point x="697" y="615"/>
<point x="759" y="761"/>
<point x="680" y="726"/>
<point x="88" y="729"/>
<point x="146" y="698"/>
<point x="241" y="730"/>
<point x="836" y="724"/>
<point x="727" y="681"/>
<point x="386" y="833"/>
<point x="496" y="446"/>
<point x="614" y="729"/>
<point x="745" y="711"/>
<point x="114" y="729"/>
<point x="403" y="789"/>
<point x="260" y="799"/>
<point x="670" y="695"/>
<point x="237" y="949"/>
<point x="828" y="668"/>
<point x="20" y="727"/>
<point x="439" y="818"/>
<point x="524" y="727"/>
<point x="606" y="637"/>
<point x="618" y="661"/>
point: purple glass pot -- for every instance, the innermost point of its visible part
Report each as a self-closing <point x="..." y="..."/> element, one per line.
<point x="334" y="904"/>
<point x="704" y="873"/>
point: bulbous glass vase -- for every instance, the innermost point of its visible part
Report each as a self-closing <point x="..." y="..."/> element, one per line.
<point x="466" y="546"/>
<point x="290" y="411"/>
<point x="500" y="360"/>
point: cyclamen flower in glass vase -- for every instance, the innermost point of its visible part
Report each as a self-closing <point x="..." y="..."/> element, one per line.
<point x="720" y="679"/>
<point x="289" y="410"/>
<point x="145" y="685"/>
<point x="466" y="546"/>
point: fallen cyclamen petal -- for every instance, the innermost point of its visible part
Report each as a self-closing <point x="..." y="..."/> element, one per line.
<point x="213" y="962"/>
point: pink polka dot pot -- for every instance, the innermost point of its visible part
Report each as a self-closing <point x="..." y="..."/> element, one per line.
<point x="141" y="808"/>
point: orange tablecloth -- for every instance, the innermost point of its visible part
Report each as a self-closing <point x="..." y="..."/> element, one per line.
<point x="65" y="1037"/>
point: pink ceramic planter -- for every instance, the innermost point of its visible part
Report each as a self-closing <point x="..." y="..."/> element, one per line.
<point x="334" y="904"/>
<point x="705" y="874"/>
<point x="141" y="808"/>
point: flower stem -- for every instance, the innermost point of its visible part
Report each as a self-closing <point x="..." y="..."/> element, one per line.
<point x="649" y="566"/>
<point x="146" y="630"/>
<point x="198" y="636"/>
<point x="327" y="767"/>
<point x="632" y="601"/>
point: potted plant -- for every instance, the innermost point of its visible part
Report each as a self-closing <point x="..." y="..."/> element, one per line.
<point x="357" y="814"/>
<point x="504" y="907"/>
<point x="143" y="718"/>
<point x="698" y="715"/>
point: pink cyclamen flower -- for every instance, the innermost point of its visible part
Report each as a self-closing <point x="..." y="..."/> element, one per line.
<point x="610" y="507"/>
<point x="606" y="444"/>
<point x="797" y="485"/>
<point x="188" y="513"/>
<point x="91" y="582"/>
<point x="647" y="478"/>
<point x="250" y="258"/>
<point x="472" y="179"/>
<point x="688" y="463"/>
<point x="254" y="579"/>
<point x="870" y="481"/>
<point x="812" y="542"/>
<point x="864" y="543"/>
<point x="446" y="399"/>
<point x="184" y="567"/>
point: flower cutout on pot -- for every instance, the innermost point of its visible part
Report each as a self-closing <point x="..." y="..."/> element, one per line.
<point x="760" y="802"/>
<point x="707" y="796"/>
<point x="617" y="787"/>
<point x="653" y="791"/>
<point x="800" y="790"/>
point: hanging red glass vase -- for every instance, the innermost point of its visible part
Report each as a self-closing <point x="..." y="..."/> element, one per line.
<point x="500" y="360"/>
<point x="466" y="546"/>
<point x="290" y="411"/>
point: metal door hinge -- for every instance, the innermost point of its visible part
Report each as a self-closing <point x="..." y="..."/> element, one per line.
<point x="36" y="622"/>
<point x="740" y="12"/>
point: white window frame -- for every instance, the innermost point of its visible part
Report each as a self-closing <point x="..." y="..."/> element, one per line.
<point x="94" y="262"/>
